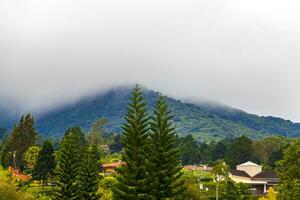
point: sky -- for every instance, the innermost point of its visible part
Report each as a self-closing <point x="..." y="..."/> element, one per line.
<point x="240" y="53"/>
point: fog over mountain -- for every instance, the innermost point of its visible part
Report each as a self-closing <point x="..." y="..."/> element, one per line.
<point x="242" y="54"/>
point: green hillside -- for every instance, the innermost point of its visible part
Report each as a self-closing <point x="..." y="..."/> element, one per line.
<point x="204" y="121"/>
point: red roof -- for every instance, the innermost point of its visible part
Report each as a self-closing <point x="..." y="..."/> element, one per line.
<point x="112" y="165"/>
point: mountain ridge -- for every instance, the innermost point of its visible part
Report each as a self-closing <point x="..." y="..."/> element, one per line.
<point x="205" y="122"/>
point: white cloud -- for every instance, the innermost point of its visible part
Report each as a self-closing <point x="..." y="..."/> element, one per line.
<point x="241" y="53"/>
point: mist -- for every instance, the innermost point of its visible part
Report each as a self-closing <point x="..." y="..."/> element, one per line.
<point x="243" y="54"/>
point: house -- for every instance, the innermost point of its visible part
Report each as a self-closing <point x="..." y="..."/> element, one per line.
<point x="252" y="174"/>
<point x="198" y="167"/>
<point x="110" y="167"/>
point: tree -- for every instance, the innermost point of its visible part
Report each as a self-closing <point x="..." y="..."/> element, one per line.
<point x="219" y="151"/>
<point x="45" y="164"/>
<point x="271" y="195"/>
<point x="165" y="157"/>
<point x="273" y="143"/>
<point x="190" y="151"/>
<point x="97" y="133"/>
<point x="205" y="152"/>
<point x="89" y="174"/>
<point x="240" y="151"/>
<point x="289" y="173"/>
<point x="31" y="156"/>
<point x="135" y="139"/>
<point x="23" y="136"/>
<point x="68" y="165"/>
<point x="4" y="154"/>
<point x="3" y="133"/>
<point x="276" y="156"/>
<point x="259" y="151"/>
<point x="116" y="145"/>
<point x="232" y="191"/>
<point x="220" y="173"/>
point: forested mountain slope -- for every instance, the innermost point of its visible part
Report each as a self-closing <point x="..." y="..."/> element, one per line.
<point x="204" y="121"/>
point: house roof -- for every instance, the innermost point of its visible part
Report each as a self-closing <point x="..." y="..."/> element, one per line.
<point x="201" y="167"/>
<point x="248" y="163"/>
<point x="239" y="173"/>
<point x="112" y="165"/>
<point x="266" y="174"/>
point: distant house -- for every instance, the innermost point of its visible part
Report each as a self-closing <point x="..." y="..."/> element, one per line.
<point x="110" y="167"/>
<point x="251" y="173"/>
<point x="198" y="167"/>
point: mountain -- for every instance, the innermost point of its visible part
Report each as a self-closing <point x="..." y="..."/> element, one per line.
<point x="203" y="120"/>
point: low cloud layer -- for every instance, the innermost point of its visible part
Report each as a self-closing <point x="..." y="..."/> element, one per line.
<point x="244" y="54"/>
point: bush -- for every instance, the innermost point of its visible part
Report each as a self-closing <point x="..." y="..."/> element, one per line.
<point x="9" y="192"/>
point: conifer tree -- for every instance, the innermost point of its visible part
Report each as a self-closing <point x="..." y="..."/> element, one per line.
<point x="89" y="174"/>
<point x="45" y="164"/>
<point x="68" y="165"/>
<point x="23" y="136"/>
<point x="165" y="156"/>
<point x="135" y="139"/>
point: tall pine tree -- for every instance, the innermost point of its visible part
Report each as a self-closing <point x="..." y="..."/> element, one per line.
<point x="68" y="165"/>
<point x="133" y="178"/>
<point x="23" y="136"/>
<point x="89" y="174"/>
<point x="165" y="157"/>
<point x="45" y="165"/>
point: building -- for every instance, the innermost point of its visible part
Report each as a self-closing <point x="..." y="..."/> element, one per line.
<point x="110" y="167"/>
<point x="251" y="173"/>
<point x="198" y="167"/>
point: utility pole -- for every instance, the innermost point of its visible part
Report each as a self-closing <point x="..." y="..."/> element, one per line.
<point x="217" y="190"/>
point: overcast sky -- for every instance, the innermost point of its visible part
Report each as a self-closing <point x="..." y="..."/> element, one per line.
<point x="245" y="54"/>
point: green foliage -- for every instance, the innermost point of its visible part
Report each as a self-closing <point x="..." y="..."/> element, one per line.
<point x="4" y="154"/>
<point x="106" y="187"/>
<point x="240" y="151"/>
<point x="9" y="192"/>
<point x="31" y="156"/>
<point x="289" y="172"/>
<point x="190" y="150"/>
<point x="204" y="121"/>
<point x="116" y="145"/>
<point x="23" y="136"/>
<point x="219" y="151"/>
<point x="97" y="133"/>
<point x="45" y="165"/>
<point x="276" y="156"/>
<point x="267" y="150"/>
<point x="232" y="191"/>
<point x="4" y="175"/>
<point x="68" y="165"/>
<point x="220" y="171"/>
<point x="89" y="174"/>
<point x="110" y="158"/>
<point x="133" y="175"/>
<point x="3" y="135"/>
<point x="165" y="169"/>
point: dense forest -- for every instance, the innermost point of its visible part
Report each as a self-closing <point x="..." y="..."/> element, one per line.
<point x="205" y="121"/>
